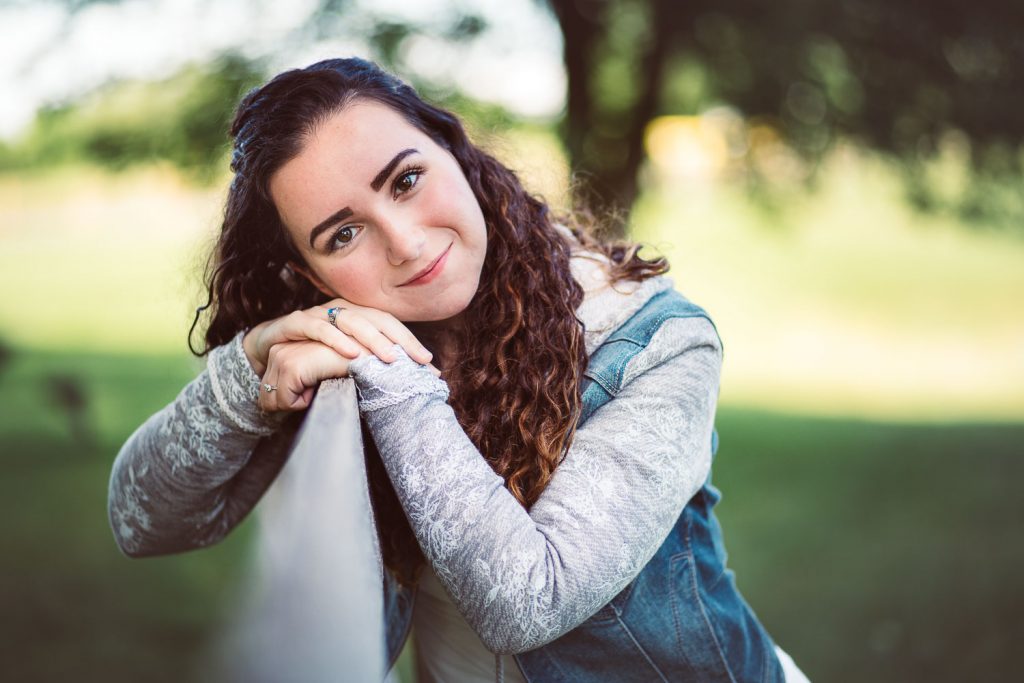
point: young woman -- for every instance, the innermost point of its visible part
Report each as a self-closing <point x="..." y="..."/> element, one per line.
<point x="538" y="404"/>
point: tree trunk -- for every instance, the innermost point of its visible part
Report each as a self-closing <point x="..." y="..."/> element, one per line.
<point x="599" y="184"/>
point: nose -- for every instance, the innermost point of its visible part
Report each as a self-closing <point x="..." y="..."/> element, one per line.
<point x="403" y="241"/>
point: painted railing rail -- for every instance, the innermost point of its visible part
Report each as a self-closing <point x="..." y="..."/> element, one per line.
<point x="313" y="610"/>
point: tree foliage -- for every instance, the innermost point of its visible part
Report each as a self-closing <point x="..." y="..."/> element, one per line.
<point x="900" y="78"/>
<point x="182" y="119"/>
<point x="911" y="80"/>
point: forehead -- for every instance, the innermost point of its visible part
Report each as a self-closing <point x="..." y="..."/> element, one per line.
<point x="339" y="159"/>
<point x="360" y="124"/>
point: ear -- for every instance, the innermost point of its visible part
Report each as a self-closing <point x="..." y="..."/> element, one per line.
<point x="313" y="279"/>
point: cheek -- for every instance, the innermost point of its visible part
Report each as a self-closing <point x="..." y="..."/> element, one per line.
<point x="451" y="201"/>
<point x="352" y="282"/>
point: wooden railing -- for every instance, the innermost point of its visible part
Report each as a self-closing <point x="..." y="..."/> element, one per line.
<point x="314" y="609"/>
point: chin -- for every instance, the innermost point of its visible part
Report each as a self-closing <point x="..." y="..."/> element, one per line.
<point x="446" y="308"/>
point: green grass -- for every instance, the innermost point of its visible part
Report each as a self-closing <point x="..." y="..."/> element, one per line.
<point x="102" y="263"/>
<point x="878" y="552"/>
<point x="844" y="303"/>
<point x="75" y="608"/>
<point x="871" y="551"/>
<point x="872" y="419"/>
<point x="847" y="302"/>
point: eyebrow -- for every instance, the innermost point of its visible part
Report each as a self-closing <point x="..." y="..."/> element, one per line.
<point x="380" y="178"/>
<point x="335" y="217"/>
<point x="377" y="183"/>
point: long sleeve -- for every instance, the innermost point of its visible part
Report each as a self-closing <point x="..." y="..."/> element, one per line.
<point x="523" y="578"/>
<point x="192" y="471"/>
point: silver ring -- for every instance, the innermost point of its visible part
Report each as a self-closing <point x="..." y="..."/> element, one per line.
<point x="269" y="387"/>
<point x="332" y="314"/>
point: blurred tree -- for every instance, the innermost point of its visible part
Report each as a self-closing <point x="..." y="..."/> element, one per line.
<point x="915" y="80"/>
<point x="910" y="79"/>
<point x="182" y="119"/>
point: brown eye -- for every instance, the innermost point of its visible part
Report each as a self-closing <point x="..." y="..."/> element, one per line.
<point x="342" y="237"/>
<point x="407" y="181"/>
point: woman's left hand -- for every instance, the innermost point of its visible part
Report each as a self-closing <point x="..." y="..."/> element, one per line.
<point x="294" y="370"/>
<point x="355" y="328"/>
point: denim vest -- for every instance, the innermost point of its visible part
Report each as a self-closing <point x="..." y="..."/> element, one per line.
<point x="682" y="617"/>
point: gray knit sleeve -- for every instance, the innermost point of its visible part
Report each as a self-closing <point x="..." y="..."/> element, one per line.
<point x="522" y="579"/>
<point x="189" y="474"/>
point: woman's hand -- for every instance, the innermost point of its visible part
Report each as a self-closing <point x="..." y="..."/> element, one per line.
<point x="295" y="369"/>
<point x="359" y="329"/>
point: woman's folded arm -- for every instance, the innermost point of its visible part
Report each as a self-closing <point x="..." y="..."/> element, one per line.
<point x="522" y="579"/>
<point x="192" y="471"/>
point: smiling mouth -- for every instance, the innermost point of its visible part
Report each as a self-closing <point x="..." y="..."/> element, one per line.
<point x="428" y="269"/>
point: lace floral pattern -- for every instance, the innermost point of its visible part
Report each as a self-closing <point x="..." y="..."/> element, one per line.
<point x="376" y="392"/>
<point x="522" y="579"/>
<point x="168" y="483"/>
<point x="191" y="436"/>
<point x="129" y="518"/>
<point x="237" y="388"/>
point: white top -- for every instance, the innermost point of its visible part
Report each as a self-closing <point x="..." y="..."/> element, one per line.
<point x="447" y="648"/>
<point x="448" y="651"/>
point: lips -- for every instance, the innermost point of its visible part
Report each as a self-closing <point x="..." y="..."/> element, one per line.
<point x="429" y="269"/>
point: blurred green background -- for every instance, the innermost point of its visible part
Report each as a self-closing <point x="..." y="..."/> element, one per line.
<point x="864" y="264"/>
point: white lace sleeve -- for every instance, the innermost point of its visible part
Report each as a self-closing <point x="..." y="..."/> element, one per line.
<point x="175" y="484"/>
<point x="522" y="579"/>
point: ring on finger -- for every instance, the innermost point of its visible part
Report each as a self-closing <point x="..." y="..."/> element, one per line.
<point x="332" y="314"/>
<point x="269" y="387"/>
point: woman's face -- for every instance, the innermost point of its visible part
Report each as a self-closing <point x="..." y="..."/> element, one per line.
<point x="383" y="216"/>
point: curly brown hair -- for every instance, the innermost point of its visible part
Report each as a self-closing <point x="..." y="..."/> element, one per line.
<point x="516" y="387"/>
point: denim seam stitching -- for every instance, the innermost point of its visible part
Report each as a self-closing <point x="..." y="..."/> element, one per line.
<point x="764" y="665"/>
<point x="625" y="598"/>
<point x="689" y="310"/>
<point x="641" y="649"/>
<point x="615" y="372"/>
<point x="616" y="612"/>
<point x="605" y="383"/>
<point x="700" y="603"/>
<point x="659" y="318"/>
<point x="675" y="609"/>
